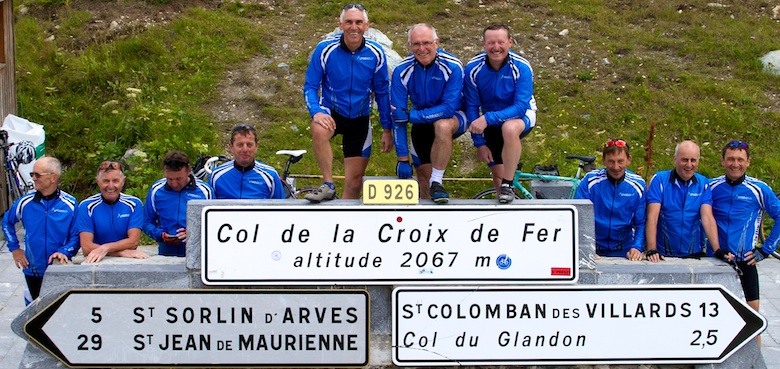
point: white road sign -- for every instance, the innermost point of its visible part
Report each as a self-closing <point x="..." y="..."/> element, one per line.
<point x="644" y="324"/>
<point x="205" y="328"/>
<point x="299" y="245"/>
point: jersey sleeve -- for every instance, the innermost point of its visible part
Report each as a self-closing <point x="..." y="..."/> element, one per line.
<point x="84" y="222"/>
<point x="311" y="86"/>
<point x="381" y="88"/>
<point x="137" y="217"/>
<point x="772" y="208"/>
<point x="654" y="192"/>
<point x="151" y="219"/>
<point x="72" y="243"/>
<point x="9" y="227"/>
<point x="582" y="189"/>
<point x="278" y="187"/>
<point x="640" y="215"/>
<point x="471" y="105"/>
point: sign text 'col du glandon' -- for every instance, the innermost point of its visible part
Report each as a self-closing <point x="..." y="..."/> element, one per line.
<point x="380" y="245"/>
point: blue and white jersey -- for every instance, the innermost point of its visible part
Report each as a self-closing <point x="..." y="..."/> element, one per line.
<point x="50" y="226"/>
<point x="680" y="232"/>
<point x="435" y="91"/>
<point x="502" y="95"/>
<point x="165" y="210"/>
<point x="109" y="222"/>
<point x="738" y="207"/>
<point x="619" y="209"/>
<point x="260" y="181"/>
<point x="347" y="79"/>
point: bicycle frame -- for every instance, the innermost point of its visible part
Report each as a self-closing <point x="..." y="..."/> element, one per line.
<point x="522" y="176"/>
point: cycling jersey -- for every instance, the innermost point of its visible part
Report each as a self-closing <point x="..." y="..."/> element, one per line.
<point x="50" y="226"/>
<point x="680" y="232"/>
<point x="109" y="222"/>
<point x="346" y="79"/>
<point x="231" y="181"/>
<point x="503" y="94"/>
<point x="435" y="91"/>
<point x="619" y="209"/>
<point x="738" y="207"/>
<point x="165" y="210"/>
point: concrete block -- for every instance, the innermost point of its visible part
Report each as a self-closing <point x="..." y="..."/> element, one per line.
<point x="641" y="273"/>
<point x="70" y="275"/>
<point x="35" y="357"/>
<point x="142" y="275"/>
<point x="551" y="189"/>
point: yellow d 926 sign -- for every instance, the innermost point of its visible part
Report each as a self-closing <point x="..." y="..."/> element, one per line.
<point x="390" y="191"/>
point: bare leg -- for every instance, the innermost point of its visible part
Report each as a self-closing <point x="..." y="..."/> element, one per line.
<point x="442" y="144"/>
<point x="423" y="180"/>
<point x="510" y="154"/>
<point x="354" y="169"/>
<point x="322" y="150"/>
<point x="754" y="304"/>
<point x="498" y="172"/>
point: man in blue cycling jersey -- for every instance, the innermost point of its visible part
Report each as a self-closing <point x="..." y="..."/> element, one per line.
<point x="244" y="177"/>
<point x="110" y="222"/>
<point x="165" y="210"/>
<point x="739" y="203"/>
<point x="347" y="68"/>
<point x="433" y="80"/>
<point x="499" y="83"/>
<point x="49" y="219"/>
<point x="618" y="197"/>
<point x="679" y="209"/>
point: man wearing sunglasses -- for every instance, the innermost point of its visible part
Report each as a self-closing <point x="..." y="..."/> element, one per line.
<point x="49" y="219"/>
<point x="433" y="80"/>
<point x="618" y="197"/>
<point x="739" y="203"/>
<point x="165" y="210"/>
<point x="110" y="222"/>
<point x="679" y="208"/>
<point x="500" y="106"/>
<point x="347" y="68"/>
<point x="244" y="177"/>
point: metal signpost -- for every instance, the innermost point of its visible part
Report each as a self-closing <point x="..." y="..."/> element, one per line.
<point x="205" y="328"/>
<point x="647" y="324"/>
<point x="414" y="244"/>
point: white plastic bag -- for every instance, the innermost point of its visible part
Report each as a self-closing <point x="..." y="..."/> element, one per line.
<point x="29" y="143"/>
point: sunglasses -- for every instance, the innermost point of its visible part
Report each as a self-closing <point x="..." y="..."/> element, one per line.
<point x="175" y="164"/>
<point x="616" y="142"/>
<point x="354" y="6"/>
<point x="38" y="175"/>
<point x="738" y="144"/>
<point x="243" y="127"/>
<point x="109" y="165"/>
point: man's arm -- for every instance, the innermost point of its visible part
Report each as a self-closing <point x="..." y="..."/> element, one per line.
<point x="312" y="83"/>
<point x="640" y="221"/>
<point x="711" y="230"/>
<point x="472" y="105"/>
<point x="71" y="246"/>
<point x="651" y="227"/>
<point x="152" y="227"/>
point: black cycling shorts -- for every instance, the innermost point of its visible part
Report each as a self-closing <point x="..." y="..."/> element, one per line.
<point x="749" y="279"/>
<point x="356" y="135"/>
<point x="494" y="140"/>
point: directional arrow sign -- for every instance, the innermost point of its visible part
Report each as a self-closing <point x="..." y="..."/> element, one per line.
<point x="645" y="324"/>
<point x="205" y="328"/>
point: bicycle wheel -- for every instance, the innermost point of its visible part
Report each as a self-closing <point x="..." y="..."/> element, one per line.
<point x="489" y="194"/>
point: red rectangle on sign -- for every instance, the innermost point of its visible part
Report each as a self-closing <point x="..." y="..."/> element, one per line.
<point x="560" y="271"/>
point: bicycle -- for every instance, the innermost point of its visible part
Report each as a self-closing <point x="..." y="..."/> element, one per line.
<point x="546" y="174"/>
<point x="206" y="164"/>
<point x="15" y="185"/>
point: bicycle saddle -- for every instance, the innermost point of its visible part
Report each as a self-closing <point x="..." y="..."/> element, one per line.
<point x="586" y="159"/>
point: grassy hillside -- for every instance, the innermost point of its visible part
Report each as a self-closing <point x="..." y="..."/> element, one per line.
<point x="107" y="76"/>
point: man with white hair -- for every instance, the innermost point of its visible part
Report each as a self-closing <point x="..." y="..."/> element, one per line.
<point x="49" y="219"/>
<point x="433" y="80"/>
<point x="347" y="68"/>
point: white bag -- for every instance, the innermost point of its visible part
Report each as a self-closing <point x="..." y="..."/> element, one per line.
<point x="29" y="143"/>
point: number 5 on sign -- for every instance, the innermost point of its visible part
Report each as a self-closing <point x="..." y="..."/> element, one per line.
<point x="390" y="191"/>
